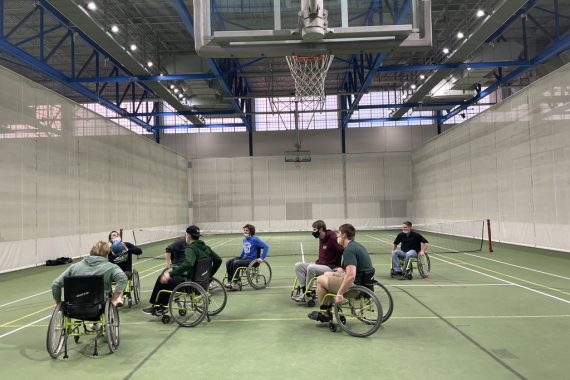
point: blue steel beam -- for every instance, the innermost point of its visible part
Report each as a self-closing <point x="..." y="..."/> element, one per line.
<point x="375" y="64"/>
<point x="555" y="48"/>
<point x="182" y="10"/>
<point x="183" y="113"/>
<point x="499" y="32"/>
<point x="190" y="126"/>
<point x="21" y="22"/>
<point x="145" y="78"/>
<point x="453" y="66"/>
<point x="54" y="74"/>
<point x="31" y="38"/>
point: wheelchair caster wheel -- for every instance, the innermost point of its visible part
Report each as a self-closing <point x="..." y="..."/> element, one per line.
<point x="311" y="303"/>
<point x="76" y="339"/>
<point x="332" y="327"/>
<point x="166" y="319"/>
<point x="182" y="312"/>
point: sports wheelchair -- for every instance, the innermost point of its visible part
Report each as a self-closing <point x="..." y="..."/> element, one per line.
<point x="258" y="275"/>
<point x="192" y="301"/>
<point x="132" y="291"/>
<point x="310" y="292"/>
<point x="367" y="305"/>
<point x="422" y="263"/>
<point x="84" y="302"/>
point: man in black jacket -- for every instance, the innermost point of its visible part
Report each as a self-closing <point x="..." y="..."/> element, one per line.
<point x="412" y="245"/>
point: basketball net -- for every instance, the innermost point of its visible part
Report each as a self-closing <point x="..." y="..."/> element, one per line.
<point x="309" y="74"/>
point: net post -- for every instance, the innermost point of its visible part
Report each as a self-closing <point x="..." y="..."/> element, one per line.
<point x="489" y="235"/>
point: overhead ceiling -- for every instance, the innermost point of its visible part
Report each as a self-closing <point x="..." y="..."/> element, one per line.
<point x="162" y="37"/>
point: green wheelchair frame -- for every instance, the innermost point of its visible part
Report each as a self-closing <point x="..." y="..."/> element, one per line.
<point x="360" y="314"/>
<point x="132" y="292"/>
<point x="62" y="325"/>
<point x="310" y="293"/>
<point x="423" y="265"/>
<point x="189" y="302"/>
<point x="258" y="275"/>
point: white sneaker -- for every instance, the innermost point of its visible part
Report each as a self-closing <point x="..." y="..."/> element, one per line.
<point x="120" y="302"/>
<point x="299" y="298"/>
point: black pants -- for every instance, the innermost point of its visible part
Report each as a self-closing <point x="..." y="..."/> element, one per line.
<point x="158" y="286"/>
<point x="233" y="264"/>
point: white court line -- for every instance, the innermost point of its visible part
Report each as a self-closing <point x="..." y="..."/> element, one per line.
<point x="25" y="298"/>
<point x="23" y="327"/>
<point x="506" y="281"/>
<point x="518" y="266"/>
<point x="420" y="285"/>
<point x="491" y="276"/>
<point x="302" y="253"/>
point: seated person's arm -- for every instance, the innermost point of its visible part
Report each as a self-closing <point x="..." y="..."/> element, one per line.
<point x="168" y="258"/>
<point x="347" y="282"/>
<point x="265" y="249"/>
<point x="133" y="249"/>
<point x="216" y="262"/>
<point x="57" y="285"/>
<point x="120" y="278"/>
<point x="424" y="248"/>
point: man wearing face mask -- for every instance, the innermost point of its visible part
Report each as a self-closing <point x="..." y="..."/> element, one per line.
<point x="412" y="245"/>
<point x="330" y="256"/>
<point x="168" y="280"/>
<point x="253" y="249"/>
<point x="124" y="257"/>
<point x="358" y="270"/>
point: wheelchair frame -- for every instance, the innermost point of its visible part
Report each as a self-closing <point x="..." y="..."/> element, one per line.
<point x="190" y="297"/>
<point x="423" y="265"/>
<point x="358" y="300"/>
<point x="61" y="326"/>
<point x="310" y="293"/>
<point x="132" y="292"/>
<point x="255" y="278"/>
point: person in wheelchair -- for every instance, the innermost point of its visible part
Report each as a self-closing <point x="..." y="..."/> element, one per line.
<point x="94" y="264"/>
<point x="123" y="257"/>
<point x="253" y="249"/>
<point x="412" y="245"/>
<point x="169" y="279"/>
<point x="174" y="252"/>
<point x="358" y="270"/>
<point x="330" y="257"/>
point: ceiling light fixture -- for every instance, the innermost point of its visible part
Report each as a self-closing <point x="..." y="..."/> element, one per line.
<point x="480" y="13"/>
<point x="445" y="50"/>
<point x="115" y="29"/>
<point x="413" y="86"/>
<point x="133" y="47"/>
<point x="176" y="90"/>
<point x="91" y="6"/>
<point x="460" y="35"/>
<point x="422" y="76"/>
<point x="149" y="64"/>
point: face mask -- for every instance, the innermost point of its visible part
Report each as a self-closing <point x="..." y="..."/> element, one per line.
<point x="339" y="240"/>
<point x="316" y="234"/>
<point x="246" y="235"/>
<point x="117" y="239"/>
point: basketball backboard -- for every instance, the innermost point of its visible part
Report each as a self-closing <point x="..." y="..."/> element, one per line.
<point x="276" y="28"/>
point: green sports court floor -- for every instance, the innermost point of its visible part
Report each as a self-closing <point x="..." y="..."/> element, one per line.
<point x="504" y="315"/>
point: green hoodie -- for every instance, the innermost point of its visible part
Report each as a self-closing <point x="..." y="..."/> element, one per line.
<point x="196" y="250"/>
<point x="92" y="266"/>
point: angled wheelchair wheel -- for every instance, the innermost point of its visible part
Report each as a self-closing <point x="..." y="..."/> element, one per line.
<point x="136" y="291"/>
<point x="385" y="299"/>
<point x="56" y="335"/>
<point x="217" y="297"/>
<point x="188" y="304"/>
<point x="112" y="328"/>
<point x="361" y="314"/>
<point x="424" y="265"/>
<point x="259" y="274"/>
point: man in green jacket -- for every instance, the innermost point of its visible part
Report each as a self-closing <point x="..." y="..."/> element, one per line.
<point x="94" y="265"/>
<point x="196" y="249"/>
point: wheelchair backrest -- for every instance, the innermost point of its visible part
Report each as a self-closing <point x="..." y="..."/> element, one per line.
<point x="84" y="296"/>
<point x="202" y="270"/>
<point x="365" y="278"/>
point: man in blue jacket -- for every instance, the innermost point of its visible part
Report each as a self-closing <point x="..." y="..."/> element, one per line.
<point x="253" y="249"/>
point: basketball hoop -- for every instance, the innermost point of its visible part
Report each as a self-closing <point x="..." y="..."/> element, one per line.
<point x="309" y="73"/>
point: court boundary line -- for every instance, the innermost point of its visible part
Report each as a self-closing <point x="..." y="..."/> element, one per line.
<point x="472" y="340"/>
<point x="436" y="256"/>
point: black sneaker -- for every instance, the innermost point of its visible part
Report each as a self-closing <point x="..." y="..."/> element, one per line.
<point x="151" y="310"/>
<point x="319" y="317"/>
<point x="396" y="273"/>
